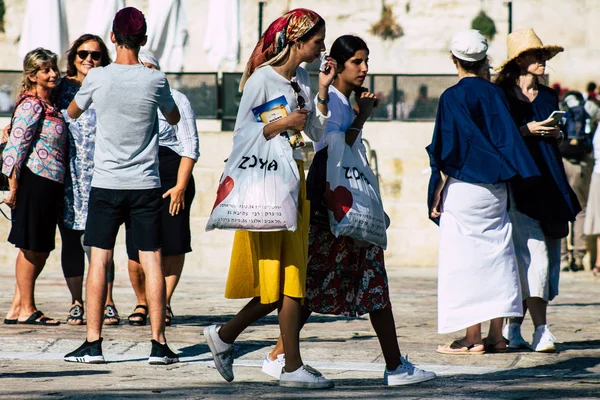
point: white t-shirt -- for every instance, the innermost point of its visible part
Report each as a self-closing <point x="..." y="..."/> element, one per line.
<point x="264" y="85"/>
<point x="126" y="99"/>
<point x="342" y="116"/>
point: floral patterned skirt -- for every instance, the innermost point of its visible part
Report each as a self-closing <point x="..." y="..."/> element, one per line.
<point x="343" y="278"/>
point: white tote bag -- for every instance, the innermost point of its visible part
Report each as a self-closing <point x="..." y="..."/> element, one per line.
<point x="352" y="194"/>
<point x="258" y="190"/>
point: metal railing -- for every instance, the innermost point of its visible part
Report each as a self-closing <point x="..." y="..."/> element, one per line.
<point x="402" y="97"/>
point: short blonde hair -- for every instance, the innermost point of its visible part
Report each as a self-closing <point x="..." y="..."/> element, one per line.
<point x="32" y="63"/>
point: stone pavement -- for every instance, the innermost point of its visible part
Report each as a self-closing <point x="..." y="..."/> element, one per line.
<point x="345" y="350"/>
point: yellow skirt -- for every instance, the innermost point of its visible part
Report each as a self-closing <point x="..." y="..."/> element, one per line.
<point x="266" y="264"/>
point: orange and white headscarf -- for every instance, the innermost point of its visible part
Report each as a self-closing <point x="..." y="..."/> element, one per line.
<point x="274" y="44"/>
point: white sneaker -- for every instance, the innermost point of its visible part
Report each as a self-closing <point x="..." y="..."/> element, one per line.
<point x="406" y="374"/>
<point x="304" y="377"/>
<point x="543" y="340"/>
<point x="273" y="367"/>
<point x="222" y="352"/>
<point x="512" y="333"/>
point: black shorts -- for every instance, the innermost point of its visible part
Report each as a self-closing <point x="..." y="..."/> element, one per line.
<point x="34" y="219"/>
<point x="109" y="208"/>
<point x="176" y="234"/>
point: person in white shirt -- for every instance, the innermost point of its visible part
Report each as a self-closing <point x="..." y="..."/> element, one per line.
<point x="270" y="267"/>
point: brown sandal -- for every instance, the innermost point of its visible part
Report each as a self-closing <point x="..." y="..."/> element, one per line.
<point x="498" y="347"/>
<point x="456" y="348"/>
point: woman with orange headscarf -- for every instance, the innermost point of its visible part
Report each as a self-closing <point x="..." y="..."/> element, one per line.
<point x="270" y="267"/>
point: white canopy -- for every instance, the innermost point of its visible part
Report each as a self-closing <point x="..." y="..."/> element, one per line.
<point x="167" y="33"/>
<point x="100" y="18"/>
<point x="222" y="40"/>
<point x="44" y="25"/>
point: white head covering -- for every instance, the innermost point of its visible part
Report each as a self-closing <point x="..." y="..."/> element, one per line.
<point x="146" y="56"/>
<point x="469" y="45"/>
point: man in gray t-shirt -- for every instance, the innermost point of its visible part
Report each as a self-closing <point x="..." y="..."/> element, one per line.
<point x="125" y="183"/>
<point x="126" y="98"/>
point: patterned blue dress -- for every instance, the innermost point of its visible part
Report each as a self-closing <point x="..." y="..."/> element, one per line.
<point x="81" y="143"/>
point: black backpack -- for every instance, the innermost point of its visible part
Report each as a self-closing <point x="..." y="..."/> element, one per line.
<point x="579" y="141"/>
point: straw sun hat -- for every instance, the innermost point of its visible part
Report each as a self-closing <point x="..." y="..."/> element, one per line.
<point x="523" y="40"/>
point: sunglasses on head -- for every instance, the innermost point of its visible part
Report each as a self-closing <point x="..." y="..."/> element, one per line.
<point x="83" y="54"/>
<point x="299" y="99"/>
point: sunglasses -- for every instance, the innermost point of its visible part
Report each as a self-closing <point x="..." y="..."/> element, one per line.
<point x="83" y="54"/>
<point x="299" y="99"/>
<point x="542" y="55"/>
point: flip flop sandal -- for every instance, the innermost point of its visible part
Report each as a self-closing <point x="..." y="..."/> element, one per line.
<point x="111" y="313"/>
<point x="455" y="348"/>
<point x="38" y="318"/>
<point x="10" y="321"/>
<point x="143" y="317"/>
<point x="169" y="316"/>
<point x="493" y="347"/>
<point x="75" y="315"/>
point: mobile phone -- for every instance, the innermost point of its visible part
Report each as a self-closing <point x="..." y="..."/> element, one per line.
<point x="556" y="116"/>
<point x="323" y="67"/>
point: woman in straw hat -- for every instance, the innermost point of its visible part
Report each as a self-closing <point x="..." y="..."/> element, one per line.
<point x="270" y="267"/>
<point x="475" y="150"/>
<point x="542" y="205"/>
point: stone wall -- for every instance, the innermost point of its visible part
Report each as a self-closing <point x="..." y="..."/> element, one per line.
<point x="428" y="26"/>
<point x="403" y="168"/>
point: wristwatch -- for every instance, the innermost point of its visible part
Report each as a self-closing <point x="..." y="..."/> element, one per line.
<point x="323" y="101"/>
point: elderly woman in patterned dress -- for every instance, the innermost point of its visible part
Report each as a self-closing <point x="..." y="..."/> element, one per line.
<point x="34" y="162"/>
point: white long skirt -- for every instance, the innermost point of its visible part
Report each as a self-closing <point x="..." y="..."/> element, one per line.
<point x="478" y="277"/>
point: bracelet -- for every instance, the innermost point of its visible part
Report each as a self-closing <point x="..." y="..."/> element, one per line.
<point x="322" y="101"/>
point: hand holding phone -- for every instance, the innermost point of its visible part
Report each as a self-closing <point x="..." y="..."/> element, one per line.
<point x="555" y="118"/>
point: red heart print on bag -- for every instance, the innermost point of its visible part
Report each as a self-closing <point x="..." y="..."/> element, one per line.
<point x="339" y="201"/>
<point x="223" y="191"/>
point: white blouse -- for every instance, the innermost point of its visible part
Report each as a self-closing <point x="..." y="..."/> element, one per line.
<point x="266" y="84"/>
<point x="342" y="116"/>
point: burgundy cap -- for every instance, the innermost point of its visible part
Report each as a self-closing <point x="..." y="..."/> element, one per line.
<point x="129" y="21"/>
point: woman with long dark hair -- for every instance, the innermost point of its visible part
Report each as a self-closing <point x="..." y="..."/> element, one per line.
<point x="544" y="205"/>
<point x="270" y="267"/>
<point x="87" y="52"/>
<point x="343" y="277"/>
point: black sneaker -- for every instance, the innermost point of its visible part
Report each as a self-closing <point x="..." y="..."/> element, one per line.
<point x="88" y="352"/>
<point x="161" y="354"/>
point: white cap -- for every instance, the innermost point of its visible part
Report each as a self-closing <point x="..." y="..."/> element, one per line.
<point x="146" y="56"/>
<point x="469" y="45"/>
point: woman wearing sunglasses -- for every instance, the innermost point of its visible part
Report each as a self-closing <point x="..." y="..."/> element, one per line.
<point x="87" y="52"/>
<point x="270" y="267"/>
<point x="542" y="206"/>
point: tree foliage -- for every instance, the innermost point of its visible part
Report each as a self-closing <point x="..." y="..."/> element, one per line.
<point x="387" y="28"/>
<point x="484" y="24"/>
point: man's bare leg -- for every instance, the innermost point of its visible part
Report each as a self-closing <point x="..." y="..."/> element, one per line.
<point x="155" y="292"/>
<point x="96" y="288"/>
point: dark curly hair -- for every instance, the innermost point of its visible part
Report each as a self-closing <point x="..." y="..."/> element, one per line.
<point x="72" y="52"/>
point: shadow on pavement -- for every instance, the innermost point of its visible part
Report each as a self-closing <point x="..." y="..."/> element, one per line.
<point x="465" y="387"/>
<point x="50" y="374"/>
<point x="271" y="319"/>
<point x="579" y="345"/>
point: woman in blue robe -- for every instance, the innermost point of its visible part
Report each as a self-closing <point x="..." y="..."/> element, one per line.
<point x="476" y="148"/>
